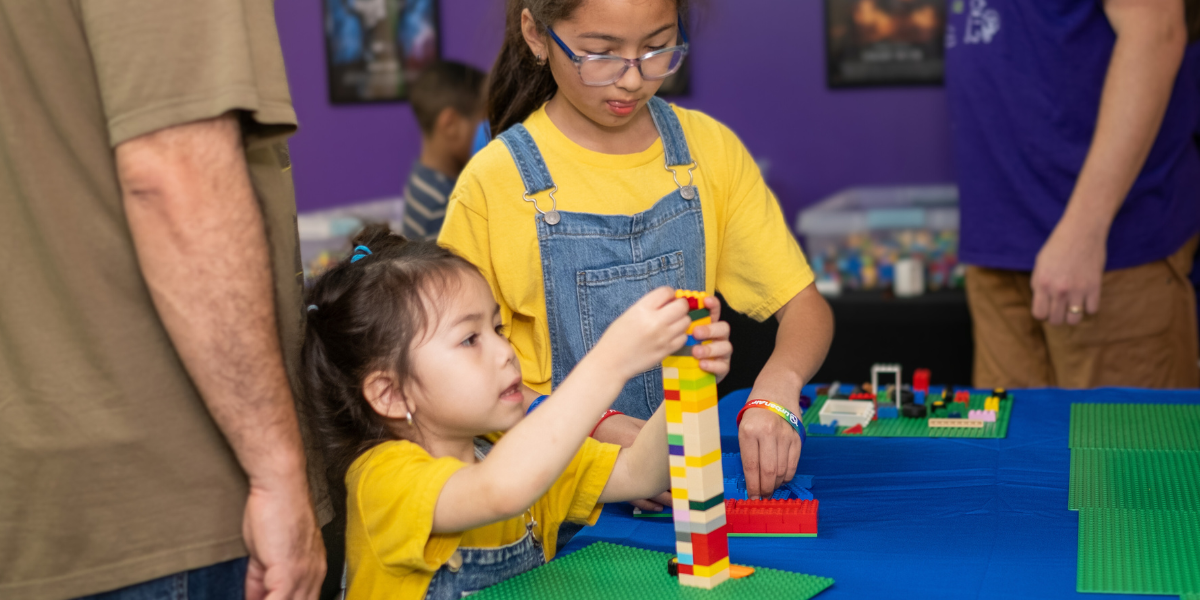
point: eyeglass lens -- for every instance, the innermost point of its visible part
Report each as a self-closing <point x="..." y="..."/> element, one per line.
<point x="603" y="70"/>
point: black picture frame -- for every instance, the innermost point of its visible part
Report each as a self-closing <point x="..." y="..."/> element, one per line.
<point x="374" y="49"/>
<point x="872" y="43"/>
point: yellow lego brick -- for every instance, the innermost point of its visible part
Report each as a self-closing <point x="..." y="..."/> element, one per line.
<point x="670" y="384"/>
<point x="674" y="411"/>
<point x="992" y="403"/>
<point x="691" y="372"/>
<point x="679" y="361"/>
<point x="679" y="494"/>
<point x="678" y="472"/>
<point x="698" y="323"/>
<point x="695" y="406"/>
<point x="705" y="460"/>
<point x="713" y="569"/>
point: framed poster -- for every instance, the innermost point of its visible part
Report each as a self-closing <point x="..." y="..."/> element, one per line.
<point x="884" y="42"/>
<point x="374" y="49"/>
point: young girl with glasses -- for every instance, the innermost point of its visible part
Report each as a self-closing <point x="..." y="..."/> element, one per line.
<point x="596" y="192"/>
<point x="406" y="367"/>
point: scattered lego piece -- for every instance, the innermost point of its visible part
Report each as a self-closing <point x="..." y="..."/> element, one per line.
<point x="919" y="397"/>
<point x="887" y="412"/>
<point x="862" y="396"/>
<point x="847" y="412"/>
<point x="823" y="391"/>
<point x="805" y="403"/>
<point x="954" y="415"/>
<point x="921" y="380"/>
<point x="962" y="397"/>
<point x="818" y="428"/>
<point x="914" y="411"/>
<point x="955" y="423"/>
<point x="889" y="369"/>
<point x="1000" y="393"/>
<point x="986" y="416"/>
<point x="854" y="430"/>
<point x="740" y="571"/>
<point x="992" y="404"/>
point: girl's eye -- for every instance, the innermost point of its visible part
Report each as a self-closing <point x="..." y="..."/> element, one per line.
<point x="657" y="48"/>
<point x="471" y="339"/>
<point x="501" y="330"/>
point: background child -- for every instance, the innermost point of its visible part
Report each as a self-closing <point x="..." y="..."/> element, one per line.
<point x="572" y="217"/>
<point x="407" y="366"/>
<point x="447" y="100"/>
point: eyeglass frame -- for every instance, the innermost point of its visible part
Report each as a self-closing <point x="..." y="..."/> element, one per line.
<point x="629" y="62"/>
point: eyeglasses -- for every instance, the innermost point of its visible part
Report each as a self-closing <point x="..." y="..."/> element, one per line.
<point x="602" y="69"/>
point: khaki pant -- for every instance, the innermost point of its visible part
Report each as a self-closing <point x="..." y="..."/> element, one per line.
<point x="1144" y="335"/>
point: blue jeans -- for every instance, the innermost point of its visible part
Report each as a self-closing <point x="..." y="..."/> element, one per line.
<point x="222" y="581"/>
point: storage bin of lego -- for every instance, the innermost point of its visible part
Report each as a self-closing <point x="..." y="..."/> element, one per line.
<point x="325" y="234"/>
<point x="854" y="238"/>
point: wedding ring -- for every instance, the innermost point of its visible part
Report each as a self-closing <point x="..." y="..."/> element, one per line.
<point x="1075" y="309"/>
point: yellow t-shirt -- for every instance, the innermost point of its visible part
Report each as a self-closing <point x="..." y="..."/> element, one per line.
<point x="752" y="257"/>
<point x="392" y="490"/>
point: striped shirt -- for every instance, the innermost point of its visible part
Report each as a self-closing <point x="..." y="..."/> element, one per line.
<point x="425" y="196"/>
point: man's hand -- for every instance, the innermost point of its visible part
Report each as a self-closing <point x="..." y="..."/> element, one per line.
<point x="1066" y="277"/>
<point x="287" y="556"/>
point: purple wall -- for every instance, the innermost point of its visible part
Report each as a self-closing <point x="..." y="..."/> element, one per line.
<point x="757" y="65"/>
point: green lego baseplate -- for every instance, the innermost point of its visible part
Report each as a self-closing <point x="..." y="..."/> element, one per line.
<point x="1132" y="479"/>
<point x="1135" y="426"/>
<point x="1135" y="480"/>
<point x="903" y="426"/>
<point x="604" y="571"/>
<point x="1139" y="551"/>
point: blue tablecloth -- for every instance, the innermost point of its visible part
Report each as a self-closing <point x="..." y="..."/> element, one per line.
<point x="925" y="518"/>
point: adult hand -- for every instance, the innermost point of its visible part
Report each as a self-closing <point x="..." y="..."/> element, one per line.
<point x="770" y="451"/>
<point x="287" y="556"/>
<point x="1067" y="274"/>
<point x="714" y="356"/>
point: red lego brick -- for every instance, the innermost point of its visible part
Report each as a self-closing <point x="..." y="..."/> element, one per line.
<point x="671" y="394"/>
<point x="862" y="396"/>
<point x="921" y="380"/>
<point x="769" y="516"/>
<point x="693" y="303"/>
<point x="857" y="429"/>
<point x="962" y="396"/>
<point x="685" y="569"/>
<point x="708" y="548"/>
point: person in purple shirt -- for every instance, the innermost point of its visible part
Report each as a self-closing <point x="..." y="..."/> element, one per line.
<point x="1072" y="122"/>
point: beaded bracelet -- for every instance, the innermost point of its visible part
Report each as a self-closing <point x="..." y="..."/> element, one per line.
<point x="787" y="415"/>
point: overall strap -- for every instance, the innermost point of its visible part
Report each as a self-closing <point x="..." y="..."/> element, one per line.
<point x="525" y="153"/>
<point x="674" y="143"/>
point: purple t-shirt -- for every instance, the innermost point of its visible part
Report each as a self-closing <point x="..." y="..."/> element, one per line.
<point x="1024" y="79"/>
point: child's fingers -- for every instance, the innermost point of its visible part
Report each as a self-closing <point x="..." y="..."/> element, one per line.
<point x="659" y="297"/>
<point x="718" y="350"/>
<point x="717" y="330"/>
<point x="714" y="307"/>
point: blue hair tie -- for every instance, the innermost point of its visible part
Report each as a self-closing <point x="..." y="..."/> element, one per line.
<point x="360" y="252"/>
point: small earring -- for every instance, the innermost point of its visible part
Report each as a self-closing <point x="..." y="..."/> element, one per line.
<point x="409" y="418"/>
<point x="540" y="62"/>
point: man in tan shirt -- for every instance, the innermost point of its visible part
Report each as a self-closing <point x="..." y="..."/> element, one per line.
<point x="150" y="315"/>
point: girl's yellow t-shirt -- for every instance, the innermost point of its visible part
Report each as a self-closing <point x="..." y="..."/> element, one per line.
<point x="392" y="490"/>
<point x="752" y="258"/>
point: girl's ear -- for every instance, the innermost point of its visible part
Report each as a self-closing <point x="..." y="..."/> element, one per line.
<point x="383" y="392"/>
<point x="537" y="43"/>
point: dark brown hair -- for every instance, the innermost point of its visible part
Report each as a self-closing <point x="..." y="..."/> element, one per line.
<point x="518" y="85"/>
<point x="443" y="85"/>
<point x="1192" y="14"/>
<point x="364" y="316"/>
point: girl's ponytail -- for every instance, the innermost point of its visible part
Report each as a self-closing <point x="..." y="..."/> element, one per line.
<point x="518" y="85"/>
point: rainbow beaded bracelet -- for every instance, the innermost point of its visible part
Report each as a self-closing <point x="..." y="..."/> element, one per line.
<point x="787" y="415"/>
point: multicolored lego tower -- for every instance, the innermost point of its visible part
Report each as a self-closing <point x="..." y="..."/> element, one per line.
<point x="697" y="484"/>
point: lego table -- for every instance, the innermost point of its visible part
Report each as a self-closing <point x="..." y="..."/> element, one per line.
<point x="925" y="518"/>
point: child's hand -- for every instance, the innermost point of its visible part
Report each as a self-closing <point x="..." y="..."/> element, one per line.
<point x="714" y="356"/>
<point x="652" y="328"/>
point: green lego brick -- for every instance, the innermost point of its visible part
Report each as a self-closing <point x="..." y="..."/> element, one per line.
<point x="1138" y="551"/>
<point x="1135" y="426"/>
<point x="1189" y="597"/>
<point x="903" y="426"/>
<point x="604" y="571"/>
<point x="1132" y="479"/>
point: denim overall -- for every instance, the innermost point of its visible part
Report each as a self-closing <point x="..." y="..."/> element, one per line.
<point x="594" y="267"/>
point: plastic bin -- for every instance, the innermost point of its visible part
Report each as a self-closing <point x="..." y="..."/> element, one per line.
<point x="325" y="234"/>
<point x="854" y="238"/>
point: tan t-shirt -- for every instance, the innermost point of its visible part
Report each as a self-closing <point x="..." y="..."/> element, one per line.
<point x="111" y="470"/>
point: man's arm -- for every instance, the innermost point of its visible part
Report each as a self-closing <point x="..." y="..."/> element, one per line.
<point x="1151" y="37"/>
<point x="202" y="247"/>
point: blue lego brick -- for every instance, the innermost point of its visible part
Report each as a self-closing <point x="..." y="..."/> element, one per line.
<point x="887" y="412"/>
<point x="919" y="397"/>
<point x="830" y="429"/>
